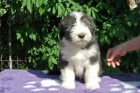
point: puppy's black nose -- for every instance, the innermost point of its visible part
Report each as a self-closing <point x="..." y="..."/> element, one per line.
<point x="81" y="36"/>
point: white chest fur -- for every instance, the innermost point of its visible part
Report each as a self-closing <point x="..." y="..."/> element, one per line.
<point x="77" y="57"/>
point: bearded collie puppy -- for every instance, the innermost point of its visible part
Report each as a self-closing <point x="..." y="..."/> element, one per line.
<point x="79" y="51"/>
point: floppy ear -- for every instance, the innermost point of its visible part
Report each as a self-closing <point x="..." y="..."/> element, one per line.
<point x="61" y="29"/>
<point x="89" y="22"/>
<point x="64" y="24"/>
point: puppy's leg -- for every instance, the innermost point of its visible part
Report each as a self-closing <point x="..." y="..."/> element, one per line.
<point x="91" y="76"/>
<point x="68" y="78"/>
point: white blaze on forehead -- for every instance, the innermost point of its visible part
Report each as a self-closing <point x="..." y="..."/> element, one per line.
<point x="77" y="15"/>
<point x="79" y="25"/>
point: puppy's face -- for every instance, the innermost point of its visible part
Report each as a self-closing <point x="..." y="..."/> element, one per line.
<point x="78" y="28"/>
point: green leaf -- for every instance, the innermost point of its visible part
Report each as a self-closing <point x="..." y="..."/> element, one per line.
<point x="33" y="36"/>
<point x="89" y="11"/>
<point x="41" y="11"/>
<point x="68" y="5"/>
<point x="102" y="40"/>
<point x="111" y="34"/>
<point x="62" y="7"/>
<point x="44" y="56"/>
<point x="106" y="25"/>
<point x="45" y="2"/>
<point x="13" y="10"/>
<point x="107" y="40"/>
<point x="18" y="36"/>
<point x="51" y="42"/>
<point x="2" y="12"/>
<point x="48" y="50"/>
<point x="38" y="3"/>
<point x="59" y="10"/>
<point x="54" y="9"/>
<point x="129" y="23"/>
<point x="59" y="1"/>
<point x="7" y="6"/>
<point x="33" y="1"/>
<point x="96" y="10"/>
<point x="22" y="40"/>
<point x="50" y="61"/>
<point x="24" y="2"/>
<point x="93" y="14"/>
<point x="29" y="6"/>
<point x="54" y="60"/>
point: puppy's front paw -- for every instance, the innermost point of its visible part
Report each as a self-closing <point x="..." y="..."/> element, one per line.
<point x="98" y="79"/>
<point x="92" y="85"/>
<point x="68" y="85"/>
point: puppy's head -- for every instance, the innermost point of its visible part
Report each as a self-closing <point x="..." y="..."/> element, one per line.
<point x="78" y="28"/>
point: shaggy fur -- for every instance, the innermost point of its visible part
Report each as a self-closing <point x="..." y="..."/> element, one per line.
<point x="79" y="51"/>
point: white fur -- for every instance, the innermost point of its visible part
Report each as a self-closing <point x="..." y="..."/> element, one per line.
<point x="68" y="78"/>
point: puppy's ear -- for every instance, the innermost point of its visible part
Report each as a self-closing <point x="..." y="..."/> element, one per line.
<point x="61" y="29"/>
<point x="88" y="20"/>
<point x="65" y="25"/>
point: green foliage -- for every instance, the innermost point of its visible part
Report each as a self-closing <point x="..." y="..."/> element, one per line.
<point x="37" y="29"/>
<point x="2" y="10"/>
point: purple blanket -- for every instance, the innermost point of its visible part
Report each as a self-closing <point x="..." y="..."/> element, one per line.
<point x="35" y="81"/>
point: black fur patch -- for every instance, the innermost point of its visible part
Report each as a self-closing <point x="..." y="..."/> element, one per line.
<point x="65" y="26"/>
<point x="62" y="63"/>
<point x="91" y="42"/>
<point x="94" y="59"/>
<point x="89" y="22"/>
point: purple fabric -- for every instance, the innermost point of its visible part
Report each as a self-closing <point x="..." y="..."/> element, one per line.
<point x="35" y="81"/>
